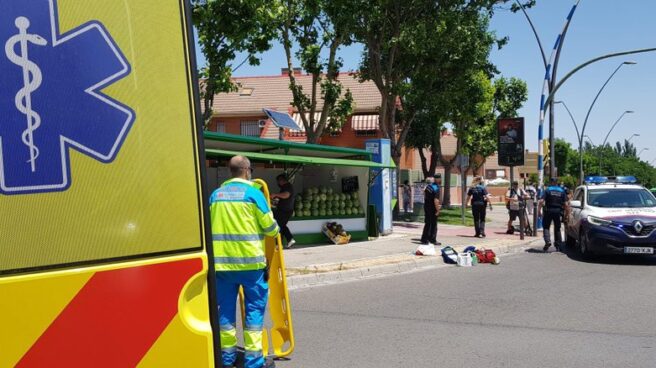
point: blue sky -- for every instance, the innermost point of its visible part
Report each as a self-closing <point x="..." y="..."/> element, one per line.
<point x="599" y="27"/>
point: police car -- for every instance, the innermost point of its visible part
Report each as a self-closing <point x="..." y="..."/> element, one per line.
<point x="612" y="215"/>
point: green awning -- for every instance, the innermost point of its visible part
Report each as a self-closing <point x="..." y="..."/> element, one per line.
<point x="306" y="160"/>
<point x="231" y="142"/>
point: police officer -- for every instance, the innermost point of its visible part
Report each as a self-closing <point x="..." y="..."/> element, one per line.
<point x="431" y="210"/>
<point x="479" y="199"/>
<point x="241" y="218"/>
<point x="553" y="203"/>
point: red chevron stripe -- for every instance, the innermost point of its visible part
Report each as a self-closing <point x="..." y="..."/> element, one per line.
<point x="114" y="319"/>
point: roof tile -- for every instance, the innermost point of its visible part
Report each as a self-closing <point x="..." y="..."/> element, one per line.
<point x="273" y="92"/>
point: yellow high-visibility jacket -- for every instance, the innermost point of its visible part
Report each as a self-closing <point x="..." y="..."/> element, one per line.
<point x="241" y="218"/>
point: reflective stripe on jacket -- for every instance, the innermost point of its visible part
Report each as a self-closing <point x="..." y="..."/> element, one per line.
<point x="241" y="218"/>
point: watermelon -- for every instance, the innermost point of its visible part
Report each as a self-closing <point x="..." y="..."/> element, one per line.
<point x="322" y="212"/>
<point x="315" y="213"/>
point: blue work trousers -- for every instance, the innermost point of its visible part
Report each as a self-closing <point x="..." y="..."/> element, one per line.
<point x="256" y="293"/>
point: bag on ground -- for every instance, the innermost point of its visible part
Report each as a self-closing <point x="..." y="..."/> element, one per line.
<point x="487" y="256"/>
<point x="425" y="250"/>
<point x="449" y="255"/>
<point x="464" y="259"/>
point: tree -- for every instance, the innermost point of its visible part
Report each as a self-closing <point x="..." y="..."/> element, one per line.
<point x="567" y="158"/>
<point x="402" y="37"/>
<point x="226" y="28"/>
<point x="471" y="104"/>
<point x="480" y="140"/>
<point x="453" y="53"/>
<point x="626" y="149"/>
<point x="317" y="27"/>
<point x="509" y="96"/>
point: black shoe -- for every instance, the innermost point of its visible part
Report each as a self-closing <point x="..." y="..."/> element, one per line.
<point x="477" y="236"/>
<point x="510" y="231"/>
<point x="437" y="243"/>
<point x="483" y="235"/>
<point x="546" y="247"/>
<point x="558" y="246"/>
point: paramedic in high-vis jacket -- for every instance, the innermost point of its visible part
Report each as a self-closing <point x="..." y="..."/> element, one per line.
<point x="241" y="219"/>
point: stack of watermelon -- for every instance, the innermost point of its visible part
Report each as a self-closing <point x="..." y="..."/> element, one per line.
<point x="323" y="201"/>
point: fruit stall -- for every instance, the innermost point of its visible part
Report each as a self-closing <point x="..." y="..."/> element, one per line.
<point x="331" y="184"/>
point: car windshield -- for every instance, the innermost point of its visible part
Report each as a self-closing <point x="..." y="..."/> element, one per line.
<point x="621" y="198"/>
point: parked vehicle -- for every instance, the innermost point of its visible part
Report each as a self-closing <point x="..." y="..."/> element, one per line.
<point x="612" y="215"/>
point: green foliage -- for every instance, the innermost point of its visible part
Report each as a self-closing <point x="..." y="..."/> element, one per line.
<point x="316" y="28"/>
<point x="533" y="178"/>
<point x="225" y="28"/>
<point x="613" y="162"/>
<point x="509" y="96"/>
<point x="569" y="181"/>
<point x="413" y="47"/>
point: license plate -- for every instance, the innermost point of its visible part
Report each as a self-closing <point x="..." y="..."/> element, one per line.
<point x="638" y="250"/>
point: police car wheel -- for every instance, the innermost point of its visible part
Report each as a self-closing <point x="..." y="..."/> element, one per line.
<point x="584" y="247"/>
<point x="570" y="241"/>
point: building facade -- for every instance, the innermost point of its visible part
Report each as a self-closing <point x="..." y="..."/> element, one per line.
<point x="241" y="113"/>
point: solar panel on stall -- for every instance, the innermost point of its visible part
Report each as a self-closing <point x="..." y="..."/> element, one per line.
<point x="281" y="120"/>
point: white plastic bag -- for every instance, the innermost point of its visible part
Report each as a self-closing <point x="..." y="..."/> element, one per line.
<point x="464" y="259"/>
<point x="425" y="250"/>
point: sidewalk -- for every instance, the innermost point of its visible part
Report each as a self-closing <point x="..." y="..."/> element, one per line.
<point x="325" y="264"/>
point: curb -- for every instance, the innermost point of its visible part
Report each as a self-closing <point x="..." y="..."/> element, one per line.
<point x="329" y="274"/>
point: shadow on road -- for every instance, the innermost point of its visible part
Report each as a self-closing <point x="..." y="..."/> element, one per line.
<point x="619" y="260"/>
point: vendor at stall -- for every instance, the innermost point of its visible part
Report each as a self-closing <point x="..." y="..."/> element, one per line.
<point x="285" y="208"/>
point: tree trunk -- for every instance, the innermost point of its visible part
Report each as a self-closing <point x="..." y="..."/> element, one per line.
<point x="446" y="184"/>
<point x="424" y="163"/>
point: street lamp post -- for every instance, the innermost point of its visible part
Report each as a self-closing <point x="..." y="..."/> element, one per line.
<point x="607" y="135"/>
<point x="641" y="151"/>
<point x="551" y="72"/>
<point x="579" y="134"/>
<point x="587" y="116"/>
<point x="635" y="135"/>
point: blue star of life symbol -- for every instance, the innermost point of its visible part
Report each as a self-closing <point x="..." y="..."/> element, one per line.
<point x="51" y="99"/>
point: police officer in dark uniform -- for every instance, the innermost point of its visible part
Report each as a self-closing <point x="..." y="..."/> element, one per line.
<point x="553" y="204"/>
<point x="479" y="199"/>
<point x="431" y="210"/>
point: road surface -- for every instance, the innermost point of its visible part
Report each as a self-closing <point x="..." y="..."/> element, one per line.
<point x="533" y="310"/>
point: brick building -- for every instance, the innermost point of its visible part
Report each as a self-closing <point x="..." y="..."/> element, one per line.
<point x="241" y="113"/>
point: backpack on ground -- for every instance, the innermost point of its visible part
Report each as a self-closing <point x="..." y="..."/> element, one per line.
<point x="487" y="256"/>
<point x="449" y="255"/>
